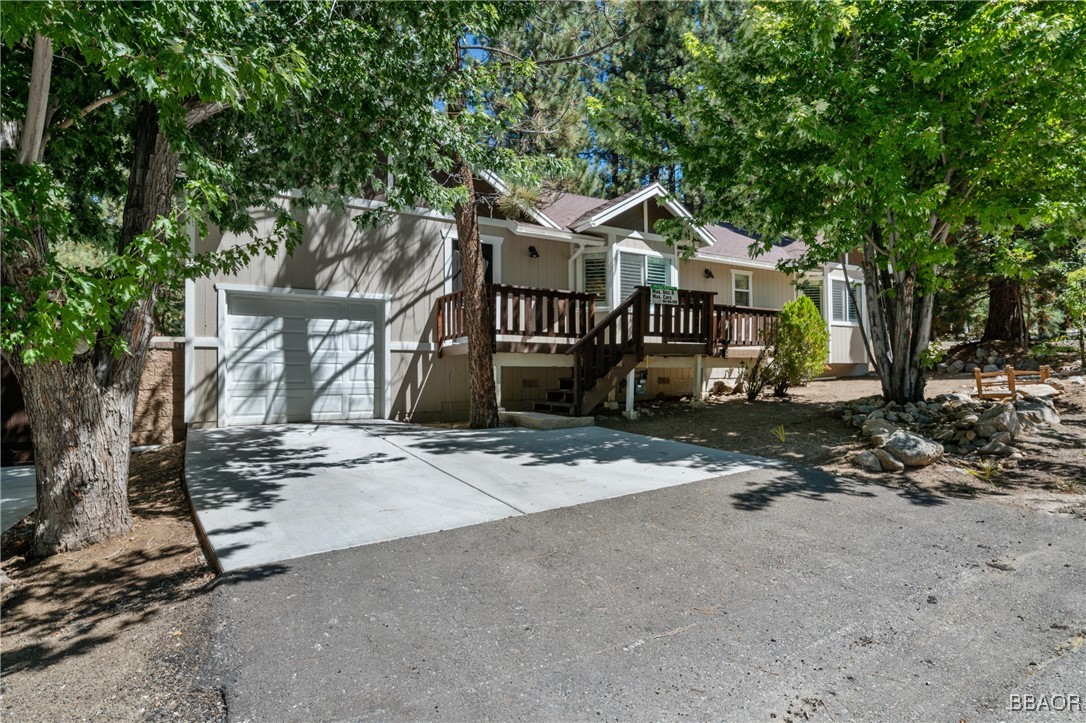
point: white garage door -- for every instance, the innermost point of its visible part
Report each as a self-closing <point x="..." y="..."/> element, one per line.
<point x="299" y="358"/>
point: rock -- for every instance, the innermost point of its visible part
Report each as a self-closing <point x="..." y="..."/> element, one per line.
<point x="1076" y="380"/>
<point x="999" y="418"/>
<point x="1001" y="438"/>
<point x="981" y="353"/>
<point x="956" y="367"/>
<point x="990" y="368"/>
<point x="996" y="449"/>
<point x="698" y="404"/>
<point x="877" y="414"/>
<point x="912" y="450"/>
<point x="993" y="359"/>
<point x="944" y="434"/>
<point x="889" y="464"/>
<point x="878" y="425"/>
<point x="867" y="460"/>
<point x="969" y="419"/>
<point x="1055" y="384"/>
<point x="858" y="420"/>
<point x="892" y="416"/>
<point x="1034" y="412"/>
<point x="940" y="368"/>
<point x="970" y="435"/>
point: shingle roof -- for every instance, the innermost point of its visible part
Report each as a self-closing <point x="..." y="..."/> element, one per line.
<point x="566" y="208"/>
<point x="733" y="242"/>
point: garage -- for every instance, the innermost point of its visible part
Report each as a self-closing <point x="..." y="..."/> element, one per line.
<point x="297" y="357"/>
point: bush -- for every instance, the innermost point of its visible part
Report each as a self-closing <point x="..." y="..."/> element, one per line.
<point x="802" y="346"/>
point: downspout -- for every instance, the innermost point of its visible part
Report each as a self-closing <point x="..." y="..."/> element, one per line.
<point x="573" y="264"/>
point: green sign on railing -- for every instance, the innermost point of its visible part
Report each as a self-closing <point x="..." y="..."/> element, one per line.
<point x="660" y="294"/>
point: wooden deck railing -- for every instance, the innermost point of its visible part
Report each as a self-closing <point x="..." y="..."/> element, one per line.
<point x="740" y="326"/>
<point x="521" y="311"/>
<point x="689" y="321"/>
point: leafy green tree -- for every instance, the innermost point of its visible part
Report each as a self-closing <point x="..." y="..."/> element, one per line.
<point x="802" y="346"/>
<point x="1074" y="301"/>
<point x="125" y="125"/>
<point x="889" y="127"/>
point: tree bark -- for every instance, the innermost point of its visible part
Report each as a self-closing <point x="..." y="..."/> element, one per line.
<point x="1006" y="320"/>
<point x="81" y="450"/>
<point x="81" y="413"/>
<point x="899" y="326"/>
<point x="482" y="397"/>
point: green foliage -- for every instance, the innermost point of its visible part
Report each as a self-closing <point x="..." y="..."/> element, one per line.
<point x="889" y="126"/>
<point x="802" y="346"/>
<point x="330" y="98"/>
<point x="779" y="433"/>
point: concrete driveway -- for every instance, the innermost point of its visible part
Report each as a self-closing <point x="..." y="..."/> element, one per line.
<point x="273" y="493"/>
<point x="775" y="594"/>
<point x="18" y="494"/>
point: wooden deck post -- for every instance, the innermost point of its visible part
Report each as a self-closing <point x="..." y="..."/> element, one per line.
<point x="699" y="382"/>
<point x="1010" y="379"/>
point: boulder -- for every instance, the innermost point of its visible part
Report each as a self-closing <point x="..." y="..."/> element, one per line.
<point x="999" y="418"/>
<point x="956" y="367"/>
<point x="912" y="450"/>
<point x="1001" y="438"/>
<point x="867" y="460"/>
<point x="997" y="449"/>
<point x="1076" y="380"/>
<point x="990" y="368"/>
<point x="889" y="464"/>
<point x="1035" y="411"/>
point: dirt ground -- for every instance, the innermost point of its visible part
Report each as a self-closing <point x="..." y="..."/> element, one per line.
<point x="118" y="631"/>
<point x="1051" y="476"/>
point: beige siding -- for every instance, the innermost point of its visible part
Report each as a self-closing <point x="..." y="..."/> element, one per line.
<point x="549" y="271"/>
<point x="771" y="289"/>
<point x="405" y="260"/>
<point x="846" y="345"/>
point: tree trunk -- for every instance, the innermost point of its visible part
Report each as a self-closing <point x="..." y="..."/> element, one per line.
<point x="81" y="450"/>
<point x="899" y="325"/>
<point x="1006" y="320"/>
<point x="482" y="397"/>
<point x="81" y="413"/>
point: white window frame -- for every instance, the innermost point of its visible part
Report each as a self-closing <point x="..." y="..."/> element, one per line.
<point x="858" y="290"/>
<point x="749" y="290"/>
<point x="496" y="257"/>
<point x="616" y="269"/>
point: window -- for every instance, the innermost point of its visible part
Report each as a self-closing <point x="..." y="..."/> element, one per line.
<point x="844" y="310"/>
<point x="595" y="275"/>
<point x="813" y="291"/>
<point x="640" y="270"/>
<point x="492" y="262"/>
<point x="741" y="288"/>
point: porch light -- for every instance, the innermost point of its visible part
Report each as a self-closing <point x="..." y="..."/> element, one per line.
<point x="709" y="274"/>
<point x="533" y="253"/>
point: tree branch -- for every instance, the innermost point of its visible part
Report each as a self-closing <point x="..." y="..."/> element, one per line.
<point x="37" y="102"/>
<point x="85" y="111"/>
<point x="200" y="112"/>
<point x="551" y="61"/>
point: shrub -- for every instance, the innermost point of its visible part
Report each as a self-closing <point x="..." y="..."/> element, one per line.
<point x="802" y="346"/>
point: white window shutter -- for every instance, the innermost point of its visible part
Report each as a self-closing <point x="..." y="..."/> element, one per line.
<point x="595" y="276"/>
<point x="658" y="271"/>
<point x="631" y="274"/>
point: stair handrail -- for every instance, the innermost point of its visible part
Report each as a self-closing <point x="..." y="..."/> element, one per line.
<point x="602" y="325"/>
<point x="638" y="303"/>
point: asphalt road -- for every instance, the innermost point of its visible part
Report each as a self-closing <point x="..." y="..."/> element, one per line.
<point x="759" y="596"/>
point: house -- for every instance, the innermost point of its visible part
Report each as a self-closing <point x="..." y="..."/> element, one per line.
<point x="360" y="324"/>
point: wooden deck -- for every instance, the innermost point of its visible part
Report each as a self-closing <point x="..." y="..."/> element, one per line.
<point x="549" y="321"/>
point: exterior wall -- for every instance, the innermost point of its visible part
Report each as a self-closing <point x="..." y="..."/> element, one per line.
<point x="771" y="289"/>
<point x="407" y="260"/>
<point x="846" y="344"/>
<point x="160" y="407"/>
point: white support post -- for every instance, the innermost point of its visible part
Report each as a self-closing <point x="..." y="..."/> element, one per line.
<point x="498" y="383"/>
<point x="631" y="382"/>
<point x="698" y="398"/>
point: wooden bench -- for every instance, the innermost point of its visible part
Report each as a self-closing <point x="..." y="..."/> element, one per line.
<point x="989" y="384"/>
